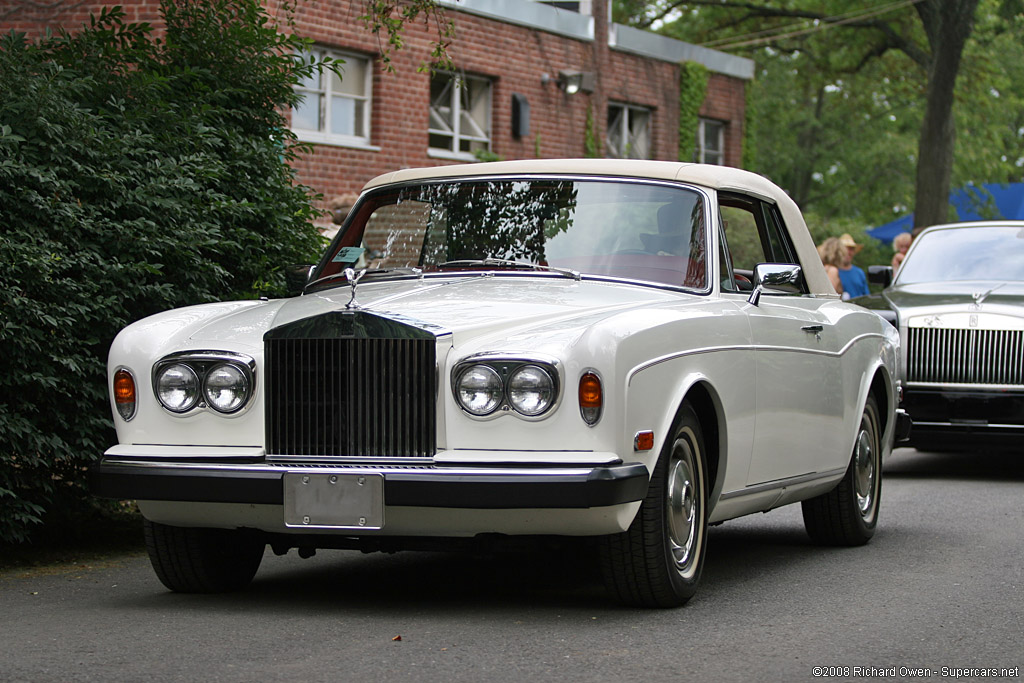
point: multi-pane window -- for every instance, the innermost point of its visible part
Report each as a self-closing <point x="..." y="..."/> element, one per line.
<point x="460" y="114"/>
<point x="711" y="142"/>
<point x="629" y="132"/>
<point x="335" y="109"/>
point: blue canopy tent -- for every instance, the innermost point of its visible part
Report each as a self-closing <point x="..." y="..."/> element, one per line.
<point x="972" y="203"/>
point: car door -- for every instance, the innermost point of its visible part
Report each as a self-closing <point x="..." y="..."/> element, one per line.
<point x="798" y="383"/>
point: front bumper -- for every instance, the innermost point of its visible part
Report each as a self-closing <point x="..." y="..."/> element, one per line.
<point x="964" y="418"/>
<point x="424" y="487"/>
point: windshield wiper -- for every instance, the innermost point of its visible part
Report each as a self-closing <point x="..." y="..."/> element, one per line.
<point x="508" y="263"/>
<point x="369" y="272"/>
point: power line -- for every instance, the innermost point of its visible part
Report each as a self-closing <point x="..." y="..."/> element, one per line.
<point x="802" y="23"/>
<point x="788" y="31"/>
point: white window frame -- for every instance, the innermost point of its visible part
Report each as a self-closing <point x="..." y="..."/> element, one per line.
<point x="628" y="113"/>
<point x="323" y="136"/>
<point x="706" y="155"/>
<point x="452" y="109"/>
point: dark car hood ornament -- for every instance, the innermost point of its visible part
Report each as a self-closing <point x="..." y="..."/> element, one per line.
<point x="353" y="279"/>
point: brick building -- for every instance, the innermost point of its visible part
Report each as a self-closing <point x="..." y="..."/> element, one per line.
<point x="531" y="80"/>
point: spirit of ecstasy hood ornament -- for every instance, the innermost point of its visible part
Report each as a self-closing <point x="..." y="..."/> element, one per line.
<point x="353" y="279"/>
<point x="979" y="297"/>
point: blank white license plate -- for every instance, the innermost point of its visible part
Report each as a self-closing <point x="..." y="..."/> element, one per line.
<point x="335" y="501"/>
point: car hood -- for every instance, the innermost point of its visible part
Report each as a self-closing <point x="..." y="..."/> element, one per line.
<point x="481" y="308"/>
<point x="953" y="294"/>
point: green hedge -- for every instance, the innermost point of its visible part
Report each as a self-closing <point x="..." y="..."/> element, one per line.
<point x="136" y="174"/>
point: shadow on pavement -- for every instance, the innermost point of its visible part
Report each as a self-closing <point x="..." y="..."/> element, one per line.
<point x="978" y="465"/>
<point x="569" y="579"/>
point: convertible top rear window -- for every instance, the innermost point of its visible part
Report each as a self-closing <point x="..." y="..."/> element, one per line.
<point x="622" y="229"/>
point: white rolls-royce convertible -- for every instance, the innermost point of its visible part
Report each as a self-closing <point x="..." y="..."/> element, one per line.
<point x="628" y="351"/>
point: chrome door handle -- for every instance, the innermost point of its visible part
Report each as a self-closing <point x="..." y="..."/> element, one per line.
<point x="813" y="329"/>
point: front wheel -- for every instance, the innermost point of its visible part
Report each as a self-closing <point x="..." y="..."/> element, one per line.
<point x="848" y="514"/>
<point x="658" y="561"/>
<point x="189" y="560"/>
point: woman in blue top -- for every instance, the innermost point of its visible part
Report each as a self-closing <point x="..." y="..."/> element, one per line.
<point x="855" y="282"/>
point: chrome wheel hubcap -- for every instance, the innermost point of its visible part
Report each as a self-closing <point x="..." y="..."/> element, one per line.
<point x="684" y="511"/>
<point x="864" y="468"/>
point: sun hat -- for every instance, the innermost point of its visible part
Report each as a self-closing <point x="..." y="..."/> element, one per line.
<point x="848" y="242"/>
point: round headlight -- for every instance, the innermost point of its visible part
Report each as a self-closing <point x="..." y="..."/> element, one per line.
<point x="531" y="390"/>
<point x="177" y="387"/>
<point x="226" y="388"/>
<point x="479" y="390"/>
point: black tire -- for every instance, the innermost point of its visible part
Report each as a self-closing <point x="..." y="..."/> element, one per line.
<point x="188" y="560"/>
<point x="658" y="561"/>
<point x="848" y="514"/>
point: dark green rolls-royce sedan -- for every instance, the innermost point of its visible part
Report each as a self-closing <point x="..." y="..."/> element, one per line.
<point x="958" y="302"/>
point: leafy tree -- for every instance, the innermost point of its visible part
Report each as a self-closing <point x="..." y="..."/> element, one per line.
<point x="862" y="76"/>
<point x="137" y="173"/>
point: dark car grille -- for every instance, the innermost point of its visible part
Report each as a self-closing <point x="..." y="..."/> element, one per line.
<point x="358" y="397"/>
<point x="965" y="356"/>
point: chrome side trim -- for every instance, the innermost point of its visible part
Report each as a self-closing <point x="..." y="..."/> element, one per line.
<point x="750" y="347"/>
<point x="783" y="483"/>
<point x="968" y="424"/>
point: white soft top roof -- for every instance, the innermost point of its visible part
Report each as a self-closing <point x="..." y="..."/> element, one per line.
<point x="712" y="177"/>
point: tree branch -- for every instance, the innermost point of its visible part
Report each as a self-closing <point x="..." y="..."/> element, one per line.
<point x="892" y="39"/>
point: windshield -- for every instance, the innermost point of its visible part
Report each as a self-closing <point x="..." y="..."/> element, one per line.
<point x="620" y="229"/>
<point x="969" y="253"/>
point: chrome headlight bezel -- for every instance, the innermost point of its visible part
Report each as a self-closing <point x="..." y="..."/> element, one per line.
<point x="485" y="382"/>
<point x="203" y="365"/>
<point x="506" y="368"/>
<point x="530" y="390"/>
<point x="187" y="383"/>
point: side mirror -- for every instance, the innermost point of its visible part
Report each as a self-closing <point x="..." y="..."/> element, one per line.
<point x="778" y="277"/>
<point x="880" y="275"/>
<point x="296" y="278"/>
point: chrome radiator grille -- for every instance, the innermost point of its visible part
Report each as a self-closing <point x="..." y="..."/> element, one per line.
<point x="352" y="397"/>
<point x="965" y="356"/>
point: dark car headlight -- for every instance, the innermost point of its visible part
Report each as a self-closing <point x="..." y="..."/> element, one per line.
<point x="219" y="380"/>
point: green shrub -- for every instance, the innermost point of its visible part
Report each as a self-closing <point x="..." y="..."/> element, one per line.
<point x="137" y="174"/>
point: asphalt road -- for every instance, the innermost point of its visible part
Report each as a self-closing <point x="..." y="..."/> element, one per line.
<point x="940" y="585"/>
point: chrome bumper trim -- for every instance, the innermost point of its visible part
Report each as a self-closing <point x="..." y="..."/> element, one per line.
<point x="447" y="487"/>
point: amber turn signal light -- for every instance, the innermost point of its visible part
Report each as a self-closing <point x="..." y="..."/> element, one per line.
<point x="591" y="398"/>
<point x="643" y="441"/>
<point x="124" y="394"/>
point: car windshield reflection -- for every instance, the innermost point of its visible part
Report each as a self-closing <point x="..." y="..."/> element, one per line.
<point x="619" y="229"/>
<point x="969" y="253"/>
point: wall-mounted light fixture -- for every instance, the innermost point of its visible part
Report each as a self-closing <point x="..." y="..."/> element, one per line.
<point x="572" y="81"/>
<point x="576" y="81"/>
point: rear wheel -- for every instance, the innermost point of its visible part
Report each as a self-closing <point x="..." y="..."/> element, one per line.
<point x="189" y="560"/>
<point x="847" y="515"/>
<point x="658" y="561"/>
